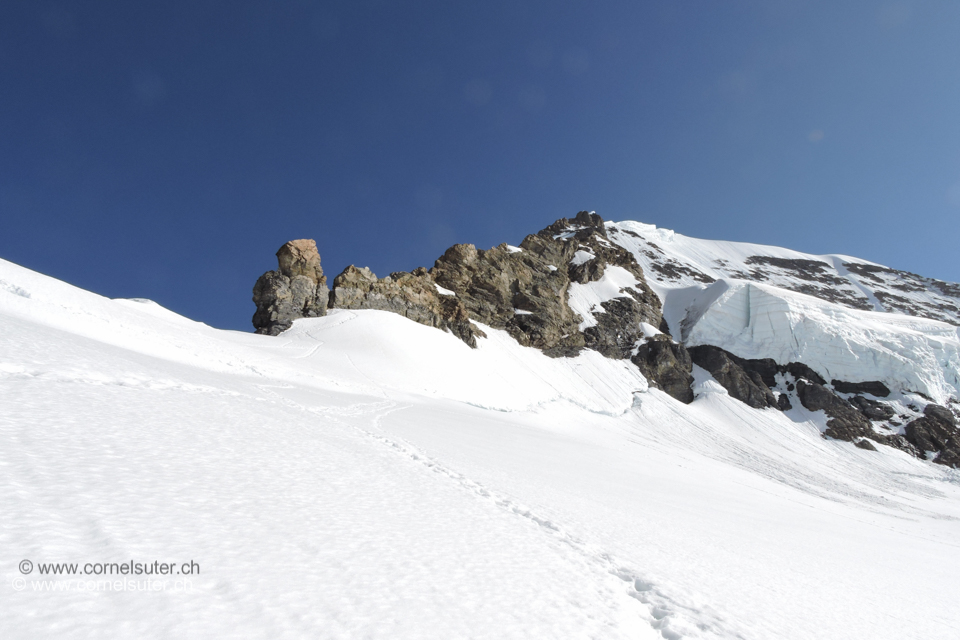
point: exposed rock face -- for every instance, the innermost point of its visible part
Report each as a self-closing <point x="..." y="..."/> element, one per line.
<point x="751" y="381"/>
<point x="875" y="388"/>
<point x="872" y="409"/>
<point x="783" y="402"/>
<point x="666" y="366"/>
<point x="570" y="287"/>
<point x="618" y="326"/>
<point x="812" y="277"/>
<point x="515" y="291"/>
<point x="846" y="422"/>
<point x="297" y="290"/>
<point x="746" y="385"/>
<point x="800" y="371"/>
<point x="936" y="431"/>
<point x="523" y="290"/>
<point x="300" y="258"/>
<point x="412" y="295"/>
<point x="526" y="292"/>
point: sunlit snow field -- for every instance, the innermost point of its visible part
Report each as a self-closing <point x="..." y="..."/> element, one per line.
<point x="363" y="476"/>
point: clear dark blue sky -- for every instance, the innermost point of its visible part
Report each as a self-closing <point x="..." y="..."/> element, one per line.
<point x="167" y="149"/>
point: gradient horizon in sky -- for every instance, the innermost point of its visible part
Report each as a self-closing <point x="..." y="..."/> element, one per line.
<point x="165" y="150"/>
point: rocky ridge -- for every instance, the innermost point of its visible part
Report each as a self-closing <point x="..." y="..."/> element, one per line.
<point x="572" y="286"/>
<point x="414" y="295"/>
<point x="523" y="290"/>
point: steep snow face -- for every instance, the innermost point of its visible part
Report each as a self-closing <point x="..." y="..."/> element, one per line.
<point x="842" y="316"/>
<point x="673" y="262"/>
<point x="757" y="321"/>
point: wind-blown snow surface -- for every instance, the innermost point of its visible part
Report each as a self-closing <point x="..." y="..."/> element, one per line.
<point x="363" y="476"/>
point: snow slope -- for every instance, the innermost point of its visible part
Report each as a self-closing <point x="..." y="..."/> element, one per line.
<point x="363" y="476"/>
<point x="847" y="318"/>
<point x="674" y="262"/>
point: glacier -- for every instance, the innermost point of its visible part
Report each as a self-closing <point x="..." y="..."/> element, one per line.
<point x="756" y="321"/>
<point x="712" y="293"/>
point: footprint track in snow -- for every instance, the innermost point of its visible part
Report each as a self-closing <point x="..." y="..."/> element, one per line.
<point x="671" y="620"/>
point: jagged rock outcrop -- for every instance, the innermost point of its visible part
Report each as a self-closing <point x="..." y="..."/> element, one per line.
<point x="745" y="384"/>
<point x="667" y="366"/>
<point x="874" y="388"/>
<point x="618" y="326"/>
<point x="846" y="421"/>
<point x="571" y="287"/>
<point x="297" y="290"/>
<point x="801" y="371"/>
<point x="936" y="431"/>
<point x="515" y="291"/>
<point x="783" y="402"/>
<point x="851" y="420"/>
<point x="413" y="295"/>
<point x="872" y="409"/>
<point x="752" y="381"/>
<point x="525" y="290"/>
<point x="301" y="258"/>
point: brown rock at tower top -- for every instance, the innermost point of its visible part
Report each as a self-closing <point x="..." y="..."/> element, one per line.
<point x="300" y="258"/>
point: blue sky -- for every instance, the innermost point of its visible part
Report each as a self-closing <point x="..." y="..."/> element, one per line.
<point x="167" y="149"/>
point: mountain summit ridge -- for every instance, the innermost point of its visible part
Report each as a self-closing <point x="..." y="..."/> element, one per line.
<point x="772" y="326"/>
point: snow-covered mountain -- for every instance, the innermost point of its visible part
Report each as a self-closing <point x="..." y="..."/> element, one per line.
<point x="368" y="475"/>
<point x="742" y="297"/>
<point x="773" y="327"/>
<point x="675" y="261"/>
